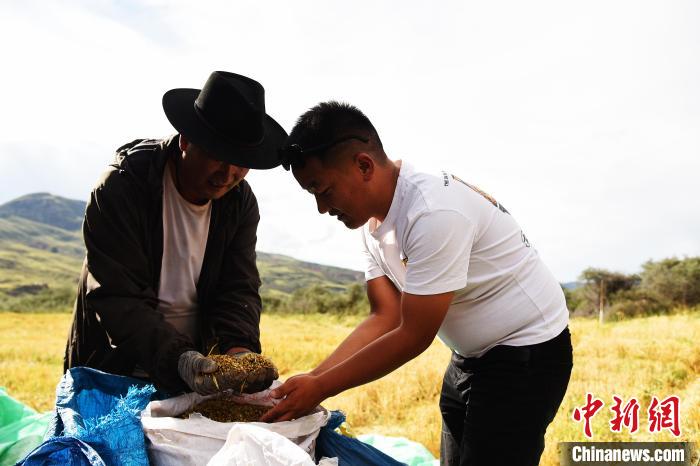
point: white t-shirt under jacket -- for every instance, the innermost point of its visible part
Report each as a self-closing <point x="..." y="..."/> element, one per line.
<point x="185" y="232"/>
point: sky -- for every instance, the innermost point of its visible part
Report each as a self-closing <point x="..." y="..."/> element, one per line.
<point x="582" y="118"/>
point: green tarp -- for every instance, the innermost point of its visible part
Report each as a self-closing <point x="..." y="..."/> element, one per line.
<point x="401" y="449"/>
<point x="21" y="429"/>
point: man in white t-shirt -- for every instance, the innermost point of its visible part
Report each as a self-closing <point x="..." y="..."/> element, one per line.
<point x="443" y="258"/>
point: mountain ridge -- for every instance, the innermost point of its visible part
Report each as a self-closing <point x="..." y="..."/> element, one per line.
<point x="41" y="252"/>
<point x="46" y="208"/>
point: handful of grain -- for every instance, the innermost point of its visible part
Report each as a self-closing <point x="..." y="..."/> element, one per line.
<point x="224" y="409"/>
<point x="248" y="373"/>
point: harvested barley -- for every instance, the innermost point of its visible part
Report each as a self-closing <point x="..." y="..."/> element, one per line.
<point x="224" y="409"/>
<point x="237" y="373"/>
<point x="251" y="362"/>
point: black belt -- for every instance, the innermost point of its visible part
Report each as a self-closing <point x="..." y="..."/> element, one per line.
<point x="516" y="353"/>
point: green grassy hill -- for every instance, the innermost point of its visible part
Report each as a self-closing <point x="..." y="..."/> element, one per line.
<point x="285" y="274"/>
<point x="41" y="252"/>
<point x="47" y="209"/>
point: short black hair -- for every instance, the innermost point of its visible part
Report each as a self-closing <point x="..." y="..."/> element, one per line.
<point x="323" y="126"/>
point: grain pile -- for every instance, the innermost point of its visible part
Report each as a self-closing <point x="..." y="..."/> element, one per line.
<point x="250" y="363"/>
<point x="224" y="409"/>
<point x="237" y="373"/>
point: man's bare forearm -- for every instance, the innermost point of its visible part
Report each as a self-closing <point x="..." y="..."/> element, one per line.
<point x="421" y="319"/>
<point x="373" y="361"/>
<point x="372" y="328"/>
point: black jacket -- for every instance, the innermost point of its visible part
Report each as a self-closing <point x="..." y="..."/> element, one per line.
<point x="115" y="322"/>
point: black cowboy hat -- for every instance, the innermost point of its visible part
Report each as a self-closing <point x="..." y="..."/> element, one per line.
<point x="227" y="118"/>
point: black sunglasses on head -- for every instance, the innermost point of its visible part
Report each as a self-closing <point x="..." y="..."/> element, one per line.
<point x="293" y="153"/>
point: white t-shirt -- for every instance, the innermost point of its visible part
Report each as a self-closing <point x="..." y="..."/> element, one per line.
<point x="185" y="232"/>
<point x="442" y="235"/>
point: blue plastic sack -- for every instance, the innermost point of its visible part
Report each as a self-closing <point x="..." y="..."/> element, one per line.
<point x="63" y="450"/>
<point x="349" y="451"/>
<point x="97" y="423"/>
<point x="101" y="411"/>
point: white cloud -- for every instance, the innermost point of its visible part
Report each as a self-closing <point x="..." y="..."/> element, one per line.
<point x="581" y="118"/>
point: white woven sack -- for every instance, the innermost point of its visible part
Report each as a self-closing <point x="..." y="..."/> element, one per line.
<point x="194" y="441"/>
<point x="248" y="444"/>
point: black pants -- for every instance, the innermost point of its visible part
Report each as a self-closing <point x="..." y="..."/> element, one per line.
<point x="496" y="408"/>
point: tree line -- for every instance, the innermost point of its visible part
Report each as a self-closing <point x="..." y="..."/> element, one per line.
<point x="319" y="299"/>
<point x="660" y="287"/>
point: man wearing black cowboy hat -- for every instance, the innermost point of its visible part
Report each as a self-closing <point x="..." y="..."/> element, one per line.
<point x="170" y="233"/>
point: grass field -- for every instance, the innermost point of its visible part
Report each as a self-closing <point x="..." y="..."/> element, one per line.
<point x="655" y="356"/>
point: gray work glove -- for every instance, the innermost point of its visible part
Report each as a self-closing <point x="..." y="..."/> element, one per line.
<point x="196" y="370"/>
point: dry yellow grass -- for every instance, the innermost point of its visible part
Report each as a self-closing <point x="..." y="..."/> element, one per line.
<point x="656" y="356"/>
<point x="31" y="356"/>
